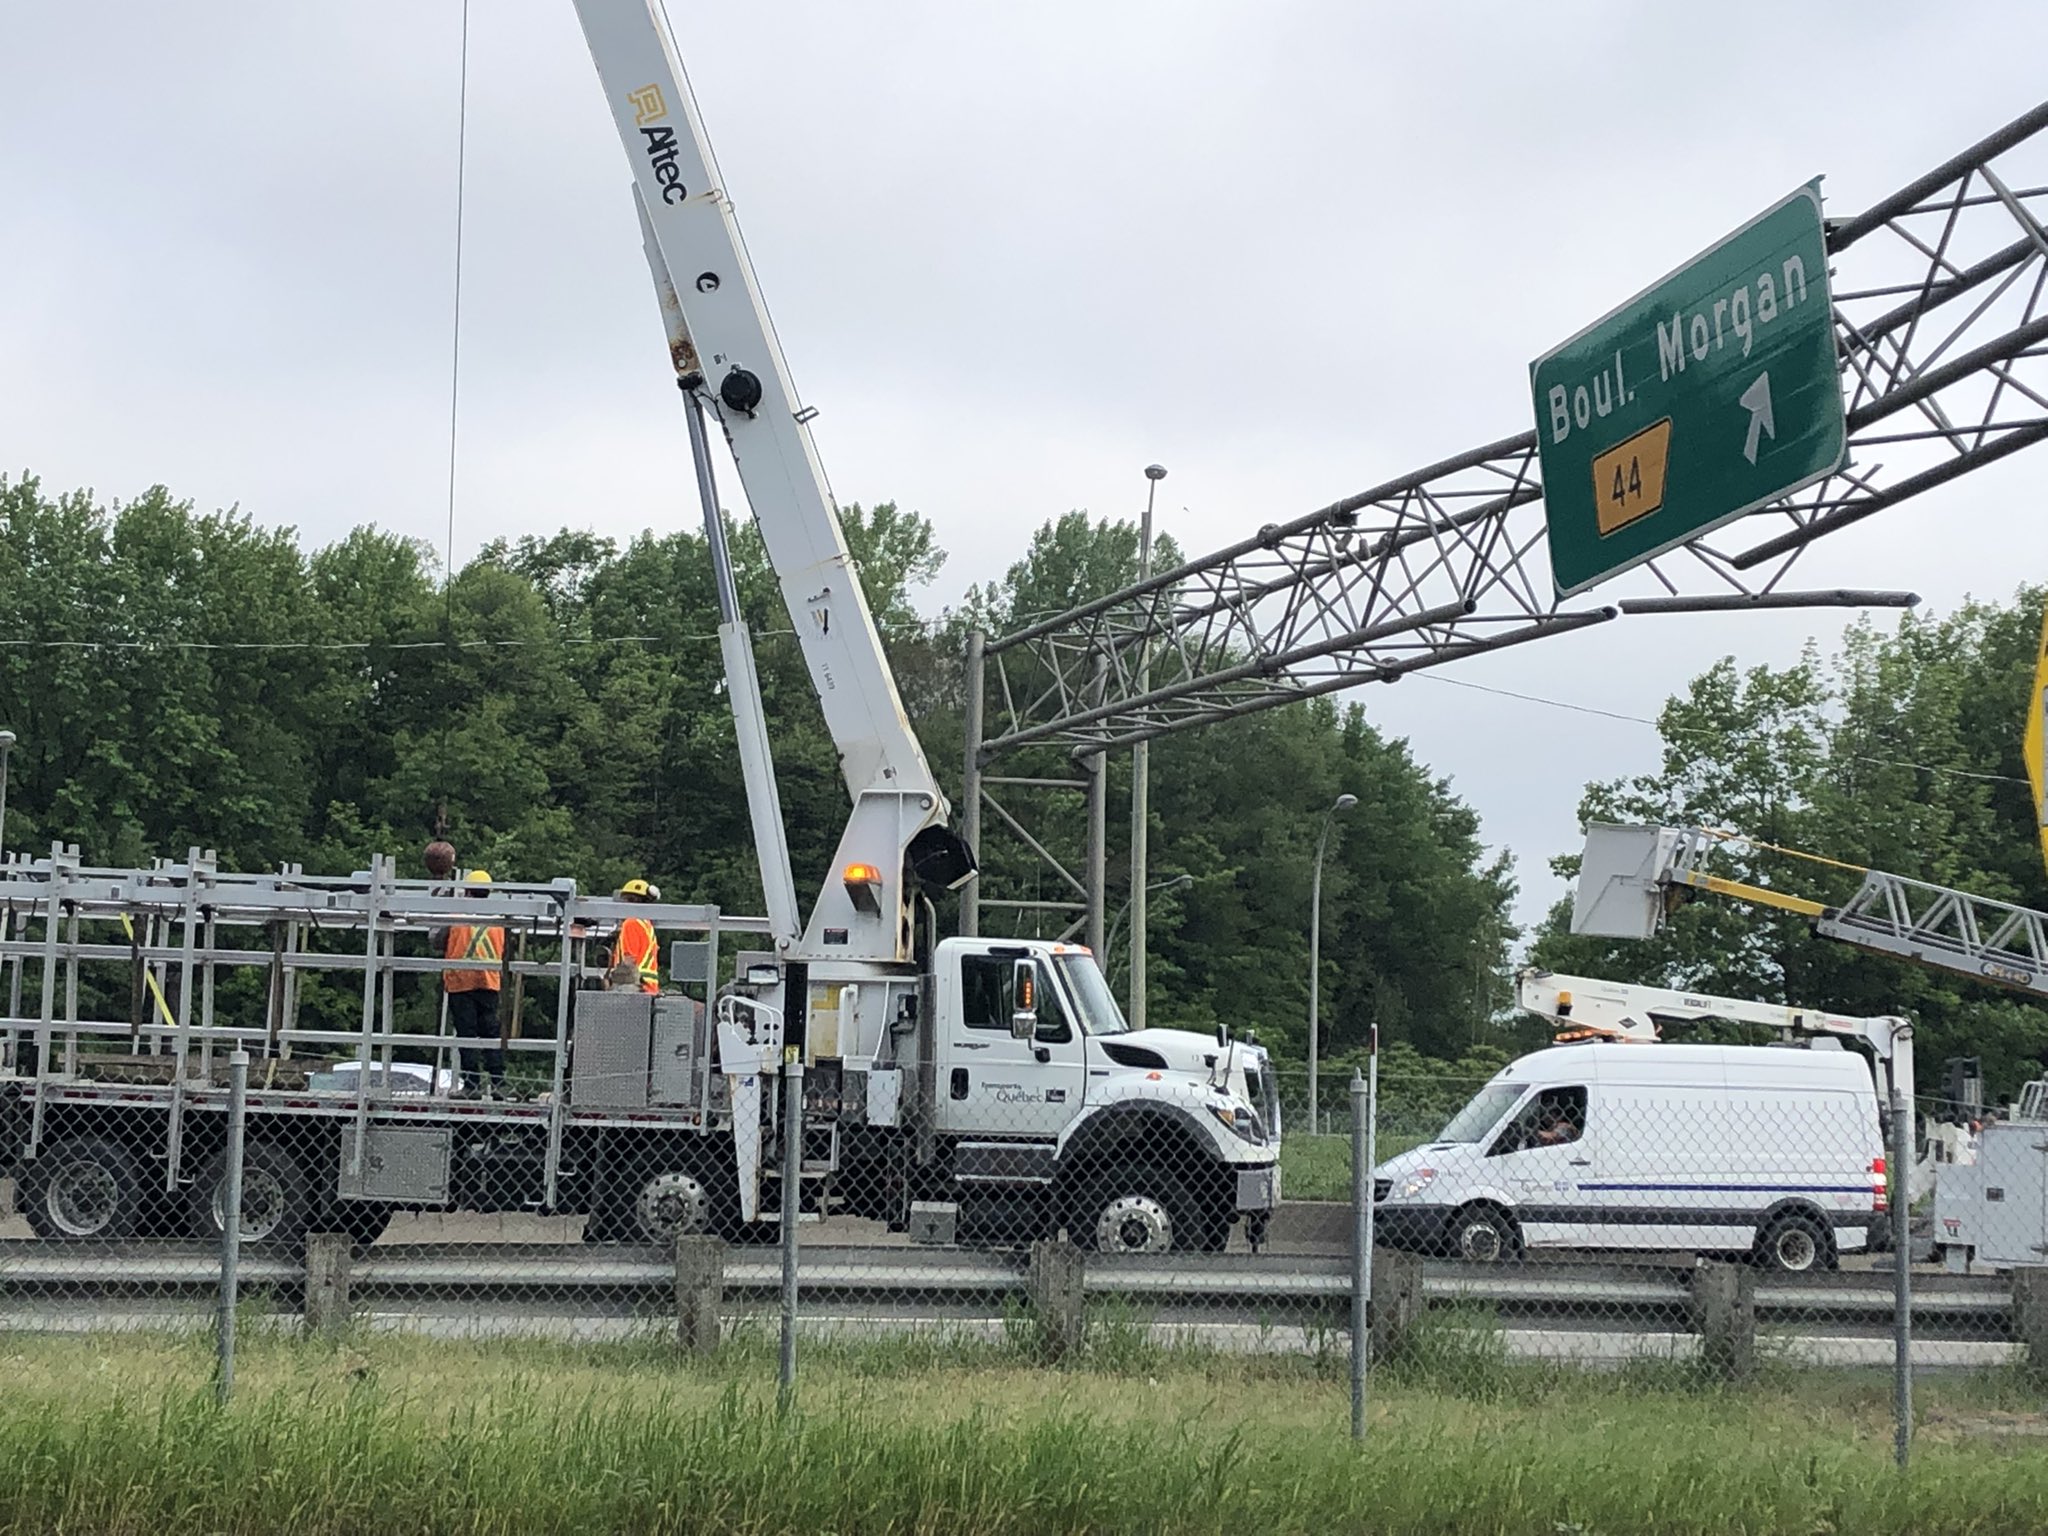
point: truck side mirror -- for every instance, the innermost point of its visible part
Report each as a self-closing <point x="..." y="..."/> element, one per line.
<point x="1024" y="989"/>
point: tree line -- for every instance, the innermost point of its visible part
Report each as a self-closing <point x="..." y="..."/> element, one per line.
<point x="189" y="679"/>
<point x="184" y="679"/>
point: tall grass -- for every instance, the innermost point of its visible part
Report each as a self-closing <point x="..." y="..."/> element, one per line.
<point x="120" y="1436"/>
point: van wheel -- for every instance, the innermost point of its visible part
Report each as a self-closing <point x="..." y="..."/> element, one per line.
<point x="1796" y="1244"/>
<point x="276" y="1206"/>
<point x="82" y="1191"/>
<point x="1484" y="1235"/>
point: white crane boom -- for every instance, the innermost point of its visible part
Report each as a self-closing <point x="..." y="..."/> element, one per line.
<point x="727" y="355"/>
<point x="1590" y="1008"/>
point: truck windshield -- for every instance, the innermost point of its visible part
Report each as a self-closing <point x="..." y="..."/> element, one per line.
<point x="1092" y="998"/>
<point x="1483" y="1113"/>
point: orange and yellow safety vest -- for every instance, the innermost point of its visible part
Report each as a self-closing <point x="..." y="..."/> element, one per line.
<point x="637" y="948"/>
<point x="486" y="945"/>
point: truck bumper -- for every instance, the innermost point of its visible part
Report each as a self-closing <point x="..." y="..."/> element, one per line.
<point x="1412" y="1228"/>
<point x="1258" y="1189"/>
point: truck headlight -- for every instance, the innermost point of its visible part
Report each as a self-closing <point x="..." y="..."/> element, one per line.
<point x="1240" y="1120"/>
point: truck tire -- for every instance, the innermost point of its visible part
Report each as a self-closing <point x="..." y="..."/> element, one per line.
<point x="1136" y="1210"/>
<point x="83" y="1191"/>
<point x="678" y="1202"/>
<point x="276" y="1204"/>
<point x="1484" y="1234"/>
<point x="1796" y="1243"/>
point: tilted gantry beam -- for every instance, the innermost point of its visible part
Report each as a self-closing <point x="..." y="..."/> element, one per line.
<point x="1942" y="337"/>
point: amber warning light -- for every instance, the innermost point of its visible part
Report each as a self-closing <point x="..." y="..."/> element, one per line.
<point x="862" y="882"/>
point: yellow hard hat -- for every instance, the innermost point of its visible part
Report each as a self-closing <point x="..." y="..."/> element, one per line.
<point x="477" y="877"/>
<point x="636" y="888"/>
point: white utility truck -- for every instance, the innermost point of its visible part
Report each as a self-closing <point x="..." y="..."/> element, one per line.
<point x="1619" y="1140"/>
<point x="959" y="1087"/>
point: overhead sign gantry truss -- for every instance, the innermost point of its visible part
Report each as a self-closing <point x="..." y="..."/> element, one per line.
<point x="1941" y="334"/>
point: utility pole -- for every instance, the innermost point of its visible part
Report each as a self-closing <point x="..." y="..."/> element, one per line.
<point x="7" y="740"/>
<point x="1315" y="955"/>
<point x="1141" y="771"/>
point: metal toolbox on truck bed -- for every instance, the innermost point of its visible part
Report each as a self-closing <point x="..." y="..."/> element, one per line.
<point x="609" y="1050"/>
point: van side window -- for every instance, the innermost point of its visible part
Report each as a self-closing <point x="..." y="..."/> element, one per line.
<point x="1556" y="1117"/>
<point x="986" y="1001"/>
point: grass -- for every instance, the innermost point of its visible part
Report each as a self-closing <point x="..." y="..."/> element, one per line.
<point x="1319" y="1167"/>
<point x="118" y="1434"/>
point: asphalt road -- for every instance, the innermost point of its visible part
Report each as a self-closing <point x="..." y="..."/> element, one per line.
<point x="1320" y="1227"/>
<point x="1302" y="1226"/>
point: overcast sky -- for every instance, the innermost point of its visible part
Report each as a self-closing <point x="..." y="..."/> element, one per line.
<point x="1014" y="255"/>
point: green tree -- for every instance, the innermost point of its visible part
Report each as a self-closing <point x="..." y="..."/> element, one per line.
<point x="1901" y="752"/>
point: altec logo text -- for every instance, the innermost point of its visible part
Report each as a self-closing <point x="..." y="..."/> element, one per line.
<point x="650" y="107"/>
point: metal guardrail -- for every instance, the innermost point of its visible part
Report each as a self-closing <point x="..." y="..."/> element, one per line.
<point x="959" y="1283"/>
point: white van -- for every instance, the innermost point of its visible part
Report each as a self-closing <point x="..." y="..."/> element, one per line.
<point x="1766" y="1151"/>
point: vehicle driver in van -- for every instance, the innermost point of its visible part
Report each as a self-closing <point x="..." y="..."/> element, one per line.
<point x="1554" y="1127"/>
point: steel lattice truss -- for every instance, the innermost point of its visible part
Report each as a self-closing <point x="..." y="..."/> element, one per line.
<point x="1942" y="335"/>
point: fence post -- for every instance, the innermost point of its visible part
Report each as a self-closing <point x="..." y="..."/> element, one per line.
<point x="231" y="1224"/>
<point x="327" y="1282"/>
<point x="1055" y="1288"/>
<point x="792" y="1179"/>
<point x="1364" y="1115"/>
<point x="700" y="1292"/>
<point x="1899" y="1201"/>
<point x="1396" y="1301"/>
<point x="2030" y="1315"/>
<point x="1724" y="1316"/>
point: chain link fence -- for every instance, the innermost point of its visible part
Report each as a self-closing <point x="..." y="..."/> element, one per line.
<point x="609" y="1164"/>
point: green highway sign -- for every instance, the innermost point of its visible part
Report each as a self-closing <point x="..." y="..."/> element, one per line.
<point x="1707" y="395"/>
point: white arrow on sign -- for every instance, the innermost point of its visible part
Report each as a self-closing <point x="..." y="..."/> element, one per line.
<point x="1758" y="399"/>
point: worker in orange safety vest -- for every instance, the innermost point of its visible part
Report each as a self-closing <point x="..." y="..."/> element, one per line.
<point x="636" y="958"/>
<point x="473" y="993"/>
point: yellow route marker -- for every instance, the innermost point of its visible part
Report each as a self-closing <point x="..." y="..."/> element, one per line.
<point x="1628" y="479"/>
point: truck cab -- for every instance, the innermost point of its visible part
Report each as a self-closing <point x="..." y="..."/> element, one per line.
<point x="1050" y="1110"/>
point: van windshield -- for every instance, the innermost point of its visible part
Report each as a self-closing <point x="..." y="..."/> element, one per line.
<point x="1483" y="1113"/>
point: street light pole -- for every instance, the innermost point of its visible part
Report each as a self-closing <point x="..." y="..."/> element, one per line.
<point x="1315" y="953"/>
<point x="1141" y="776"/>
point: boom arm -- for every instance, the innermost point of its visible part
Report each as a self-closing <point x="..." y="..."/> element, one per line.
<point x="899" y="818"/>
<point x="1615" y="1010"/>
<point x="1630" y="877"/>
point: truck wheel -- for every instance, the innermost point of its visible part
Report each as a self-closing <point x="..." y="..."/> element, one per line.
<point x="671" y="1205"/>
<point x="1484" y="1235"/>
<point x="82" y="1191"/>
<point x="677" y="1203"/>
<point x="1796" y="1244"/>
<point x="1136" y="1210"/>
<point x="276" y="1208"/>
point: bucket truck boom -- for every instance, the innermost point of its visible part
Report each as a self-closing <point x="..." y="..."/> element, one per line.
<point x="1055" y="1113"/>
<point x="897" y="836"/>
